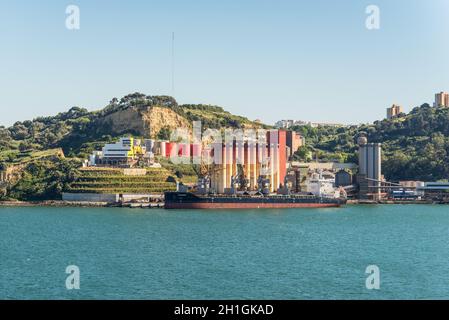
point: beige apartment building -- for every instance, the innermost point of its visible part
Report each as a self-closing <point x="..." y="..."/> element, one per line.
<point x="394" y="111"/>
<point x="441" y="99"/>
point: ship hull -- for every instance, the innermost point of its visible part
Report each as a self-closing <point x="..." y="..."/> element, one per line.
<point x="248" y="205"/>
<point x="175" y="200"/>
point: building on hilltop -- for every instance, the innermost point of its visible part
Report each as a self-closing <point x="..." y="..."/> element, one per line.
<point x="287" y="124"/>
<point x="284" y="124"/>
<point x="394" y="111"/>
<point x="441" y="100"/>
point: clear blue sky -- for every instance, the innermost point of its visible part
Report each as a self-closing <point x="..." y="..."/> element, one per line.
<point x="276" y="59"/>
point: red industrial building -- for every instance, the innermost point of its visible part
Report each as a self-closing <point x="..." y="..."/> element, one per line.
<point x="266" y="156"/>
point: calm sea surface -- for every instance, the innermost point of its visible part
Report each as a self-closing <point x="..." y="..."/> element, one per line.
<point x="251" y="254"/>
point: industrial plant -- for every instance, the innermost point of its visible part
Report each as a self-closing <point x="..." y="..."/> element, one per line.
<point x="253" y="167"/>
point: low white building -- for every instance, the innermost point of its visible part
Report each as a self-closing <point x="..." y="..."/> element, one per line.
<point x="121" y="149"/>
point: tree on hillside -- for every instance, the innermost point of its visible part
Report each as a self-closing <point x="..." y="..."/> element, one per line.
<point x="304" y="153"/>
<point x="164" y="133"/>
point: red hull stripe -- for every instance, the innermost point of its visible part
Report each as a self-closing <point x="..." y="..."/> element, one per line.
<point x="248" y="205"/>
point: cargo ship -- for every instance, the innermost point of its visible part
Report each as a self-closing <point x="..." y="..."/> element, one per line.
<point x="188" y="200"/>
<point x="321" y="194"/>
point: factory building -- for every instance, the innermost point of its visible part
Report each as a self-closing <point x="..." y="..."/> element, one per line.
<point x="264" y="158"/>
<point x="120" y="150"/>
<point x="370" y="169"/>
<point x="120" y="153"/>
<point x="343" y="178"/>
<point x="124" y="153"/>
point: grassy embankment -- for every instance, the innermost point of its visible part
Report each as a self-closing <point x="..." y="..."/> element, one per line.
<point x="15" y="157"/>
<point x="113" y="180"/>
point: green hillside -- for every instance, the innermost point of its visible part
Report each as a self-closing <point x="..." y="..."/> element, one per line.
<point x="415" y="145"/>
<point x="43" y="178"/>
<point x="42" y="156"/>
<point x="78" y="132"/>
<point x="216" y="117"/>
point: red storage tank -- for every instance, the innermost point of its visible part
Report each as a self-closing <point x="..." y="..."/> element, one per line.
<point x="282" y="155"/>
<point x="170" y="147"/>
<point x="184" y="150"/>
<point x="195" y="149"/>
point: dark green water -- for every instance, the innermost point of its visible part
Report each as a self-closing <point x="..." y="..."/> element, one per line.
<point x="285" y="254"/>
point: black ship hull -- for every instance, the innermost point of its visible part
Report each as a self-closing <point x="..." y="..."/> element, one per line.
<point x="181" y="200"/>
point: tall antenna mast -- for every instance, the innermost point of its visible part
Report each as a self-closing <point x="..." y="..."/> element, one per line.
<point x="173" y="64"/>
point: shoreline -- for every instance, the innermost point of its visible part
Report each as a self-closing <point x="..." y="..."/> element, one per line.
<point x="54" y="203"/>
<point x="64" y="204"/>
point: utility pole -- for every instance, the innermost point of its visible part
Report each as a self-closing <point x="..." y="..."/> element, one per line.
<point x="173" y="64"/>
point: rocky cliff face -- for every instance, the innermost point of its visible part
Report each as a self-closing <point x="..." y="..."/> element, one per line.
<point x="157" y="118"/>
<point x="143" y="121"/>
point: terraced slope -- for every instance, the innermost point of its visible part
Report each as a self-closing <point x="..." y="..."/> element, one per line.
<point x="112" y="180"/>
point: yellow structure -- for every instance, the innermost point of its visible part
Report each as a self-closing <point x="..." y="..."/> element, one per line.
<point x="122" y="152"/>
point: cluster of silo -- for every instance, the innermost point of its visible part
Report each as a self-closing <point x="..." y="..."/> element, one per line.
<point x="370" y="168"/>
<point x="266" y="158"/>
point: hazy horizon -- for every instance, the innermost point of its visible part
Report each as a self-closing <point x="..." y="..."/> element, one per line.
<point x="313" y="120"/>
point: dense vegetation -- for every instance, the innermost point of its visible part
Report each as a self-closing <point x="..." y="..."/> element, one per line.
<point x="78" y="131"/>
<point x="415" y="146"/>
<point x="215" y="117"/>
<point x="27" y="146"/>
<point x="42" y="179"/>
